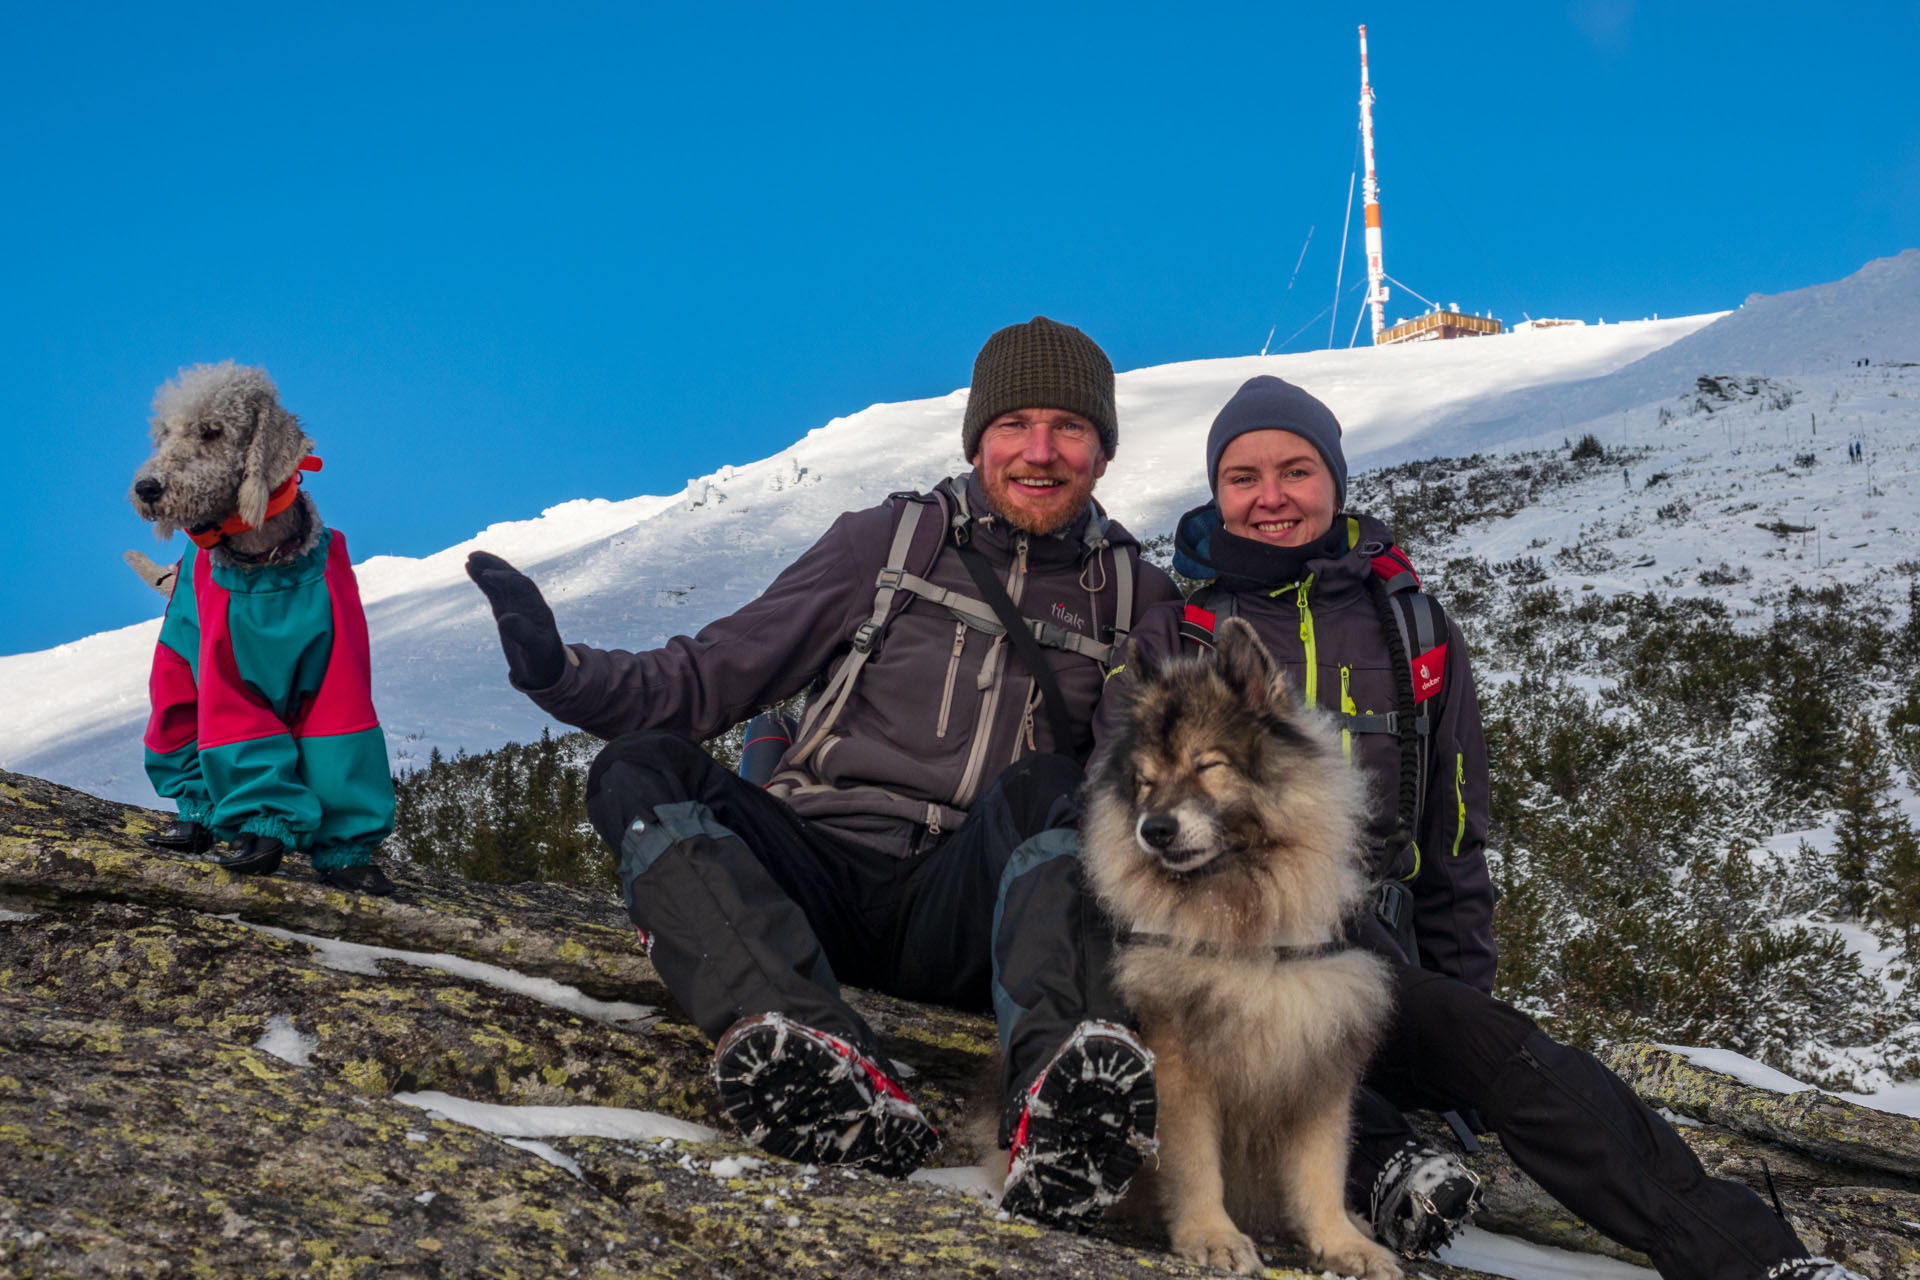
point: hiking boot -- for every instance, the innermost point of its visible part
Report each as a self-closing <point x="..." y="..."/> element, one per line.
<point x="812" y="1097"/>
<point x="1422" y="1198"/>
<point x="183" y="837"/>
<point x="1083" y="1128"/>
<point x="1812" y="1269"/>
<point x="362" y="877"/>
<point x="252" y="855"/>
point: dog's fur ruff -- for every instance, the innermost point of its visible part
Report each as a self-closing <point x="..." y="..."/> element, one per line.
<point x="1223" y="819"/>
<point x="221" y="442"/>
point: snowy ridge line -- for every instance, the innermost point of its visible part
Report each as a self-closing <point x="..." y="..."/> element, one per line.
<point x="634" y="573"/>
<point x="359" y="957"/>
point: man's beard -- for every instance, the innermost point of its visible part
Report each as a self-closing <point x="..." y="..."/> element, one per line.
<point x="1006" y="502"/>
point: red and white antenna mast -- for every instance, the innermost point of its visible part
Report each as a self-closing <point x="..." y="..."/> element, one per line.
<point x="1370" y="198"/>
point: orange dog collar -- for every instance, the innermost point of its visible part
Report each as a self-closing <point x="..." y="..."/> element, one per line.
<point x="209" y="536"/>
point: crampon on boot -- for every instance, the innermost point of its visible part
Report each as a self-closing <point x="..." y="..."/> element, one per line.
<point x="1421" y="1199"/>
<point x="1083" y="1128"/>
<point x="812" y="1097"/>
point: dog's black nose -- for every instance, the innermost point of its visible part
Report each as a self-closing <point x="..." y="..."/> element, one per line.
<point x="147" y="489"/>
<point x="1159" y="831"/>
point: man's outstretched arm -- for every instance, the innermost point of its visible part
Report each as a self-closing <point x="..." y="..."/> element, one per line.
<point x="701" y="685"/>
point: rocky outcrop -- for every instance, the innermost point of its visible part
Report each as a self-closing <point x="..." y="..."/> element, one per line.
<point x="1814" y="1123"/>
<point x="203" y="1074"/>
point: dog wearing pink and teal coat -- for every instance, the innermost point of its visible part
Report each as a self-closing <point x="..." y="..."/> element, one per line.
<point x="263" y="719"/>
<point x="263" y="730"/>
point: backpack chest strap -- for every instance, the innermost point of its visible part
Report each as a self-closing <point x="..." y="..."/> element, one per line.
<point x="979" y="615"/>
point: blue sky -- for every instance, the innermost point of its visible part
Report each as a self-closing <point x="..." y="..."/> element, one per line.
<point x="499" y="257"/>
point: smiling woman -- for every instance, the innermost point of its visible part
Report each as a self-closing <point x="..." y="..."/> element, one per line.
<point x="1275" y="487"/>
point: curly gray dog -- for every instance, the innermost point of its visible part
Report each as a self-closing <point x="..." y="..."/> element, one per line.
<point x="263" y="729"/>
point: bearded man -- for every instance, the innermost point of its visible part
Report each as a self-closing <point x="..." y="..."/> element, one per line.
<point x="916" y="838"/>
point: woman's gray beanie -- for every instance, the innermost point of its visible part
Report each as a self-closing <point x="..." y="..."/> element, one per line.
<point x="1040" y="365"/>
<point x="1267" y="403"/>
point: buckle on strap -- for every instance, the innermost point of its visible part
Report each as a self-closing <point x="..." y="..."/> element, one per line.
<point x="890" y="578"/>
<point x="1051" y="634"/>
<point x="863" y="635"/>
<point x="1371" y="723"/>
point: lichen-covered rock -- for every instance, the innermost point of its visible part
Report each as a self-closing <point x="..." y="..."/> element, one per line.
<point x="145" y="1131"/>
<point x="1810" y="1121"/>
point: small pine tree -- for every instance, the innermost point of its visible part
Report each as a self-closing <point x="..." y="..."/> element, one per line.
<point x="1897" y="871"/>
<point x="1806" y="744"/>
<point x="1867" y="818"/>
<point x="1907" y="643"/>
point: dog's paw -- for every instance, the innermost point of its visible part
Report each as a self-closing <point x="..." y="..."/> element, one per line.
<point x="1360" y="1258"/>
<point x="1216" y="1244"/>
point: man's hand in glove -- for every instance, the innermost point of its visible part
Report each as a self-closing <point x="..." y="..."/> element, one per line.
<point x="536" y="659"/>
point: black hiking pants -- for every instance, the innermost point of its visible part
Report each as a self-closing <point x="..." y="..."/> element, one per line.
<point x="1569" y="1123"/>
<point x="747" y="908"/>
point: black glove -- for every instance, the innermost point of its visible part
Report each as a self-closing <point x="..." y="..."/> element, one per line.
<point x="536" y="659"/>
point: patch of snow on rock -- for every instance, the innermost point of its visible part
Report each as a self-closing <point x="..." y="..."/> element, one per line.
<point x="622" y="1123"/>
<point x="358" y="957"/>
<point x="287" y="1042"/>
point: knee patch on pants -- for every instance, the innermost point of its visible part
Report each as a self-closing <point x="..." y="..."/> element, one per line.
<point x="645" y="839"/>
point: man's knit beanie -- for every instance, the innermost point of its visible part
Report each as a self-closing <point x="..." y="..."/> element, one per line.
<point x="1040" y="365"/>
<point x="1268" y="403"/>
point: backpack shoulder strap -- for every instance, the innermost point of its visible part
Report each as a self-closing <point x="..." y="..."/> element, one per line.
<point x="1416" y="634"/>
<point x="823" y="710"/>
<point x="1202" y="614"/>
<point x="1123" y="559"/>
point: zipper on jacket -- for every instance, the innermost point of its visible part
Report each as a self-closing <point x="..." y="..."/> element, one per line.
<point x="1346" y="708"/>
<point x="953" y="670"/>
<point x="1460" y="798"/>
<point x="1306" y="641"/>
<point x="1023" y="735"/>
<point x="993" y="670"/>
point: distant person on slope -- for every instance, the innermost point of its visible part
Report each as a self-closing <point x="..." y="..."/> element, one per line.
<point x="913" y="839"/>
<point x="1341" y="611"/>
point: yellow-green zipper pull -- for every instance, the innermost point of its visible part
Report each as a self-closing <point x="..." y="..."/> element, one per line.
<point x="1460" y="798"/>
<point x="1346" y="708"/>
<point x="1306" y="642"/>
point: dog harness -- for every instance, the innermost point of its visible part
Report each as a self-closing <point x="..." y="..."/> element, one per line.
<point x="209" y="536"/>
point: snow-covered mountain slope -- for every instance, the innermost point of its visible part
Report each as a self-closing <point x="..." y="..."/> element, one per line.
<point x="630" y="574"/>
<point x="1872" y="315"/>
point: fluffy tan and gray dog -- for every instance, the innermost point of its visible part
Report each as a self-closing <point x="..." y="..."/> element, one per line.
<point x="1222" y="835"/>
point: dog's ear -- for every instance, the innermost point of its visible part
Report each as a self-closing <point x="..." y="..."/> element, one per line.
<point x="255" y="485"/>
<point x="1247" y="666"/>
<point x="1140" y="666"/>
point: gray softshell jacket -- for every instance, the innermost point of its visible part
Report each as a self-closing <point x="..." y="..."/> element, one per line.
<point x="940" y="707"/>
<point x="1326" y="632"/>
